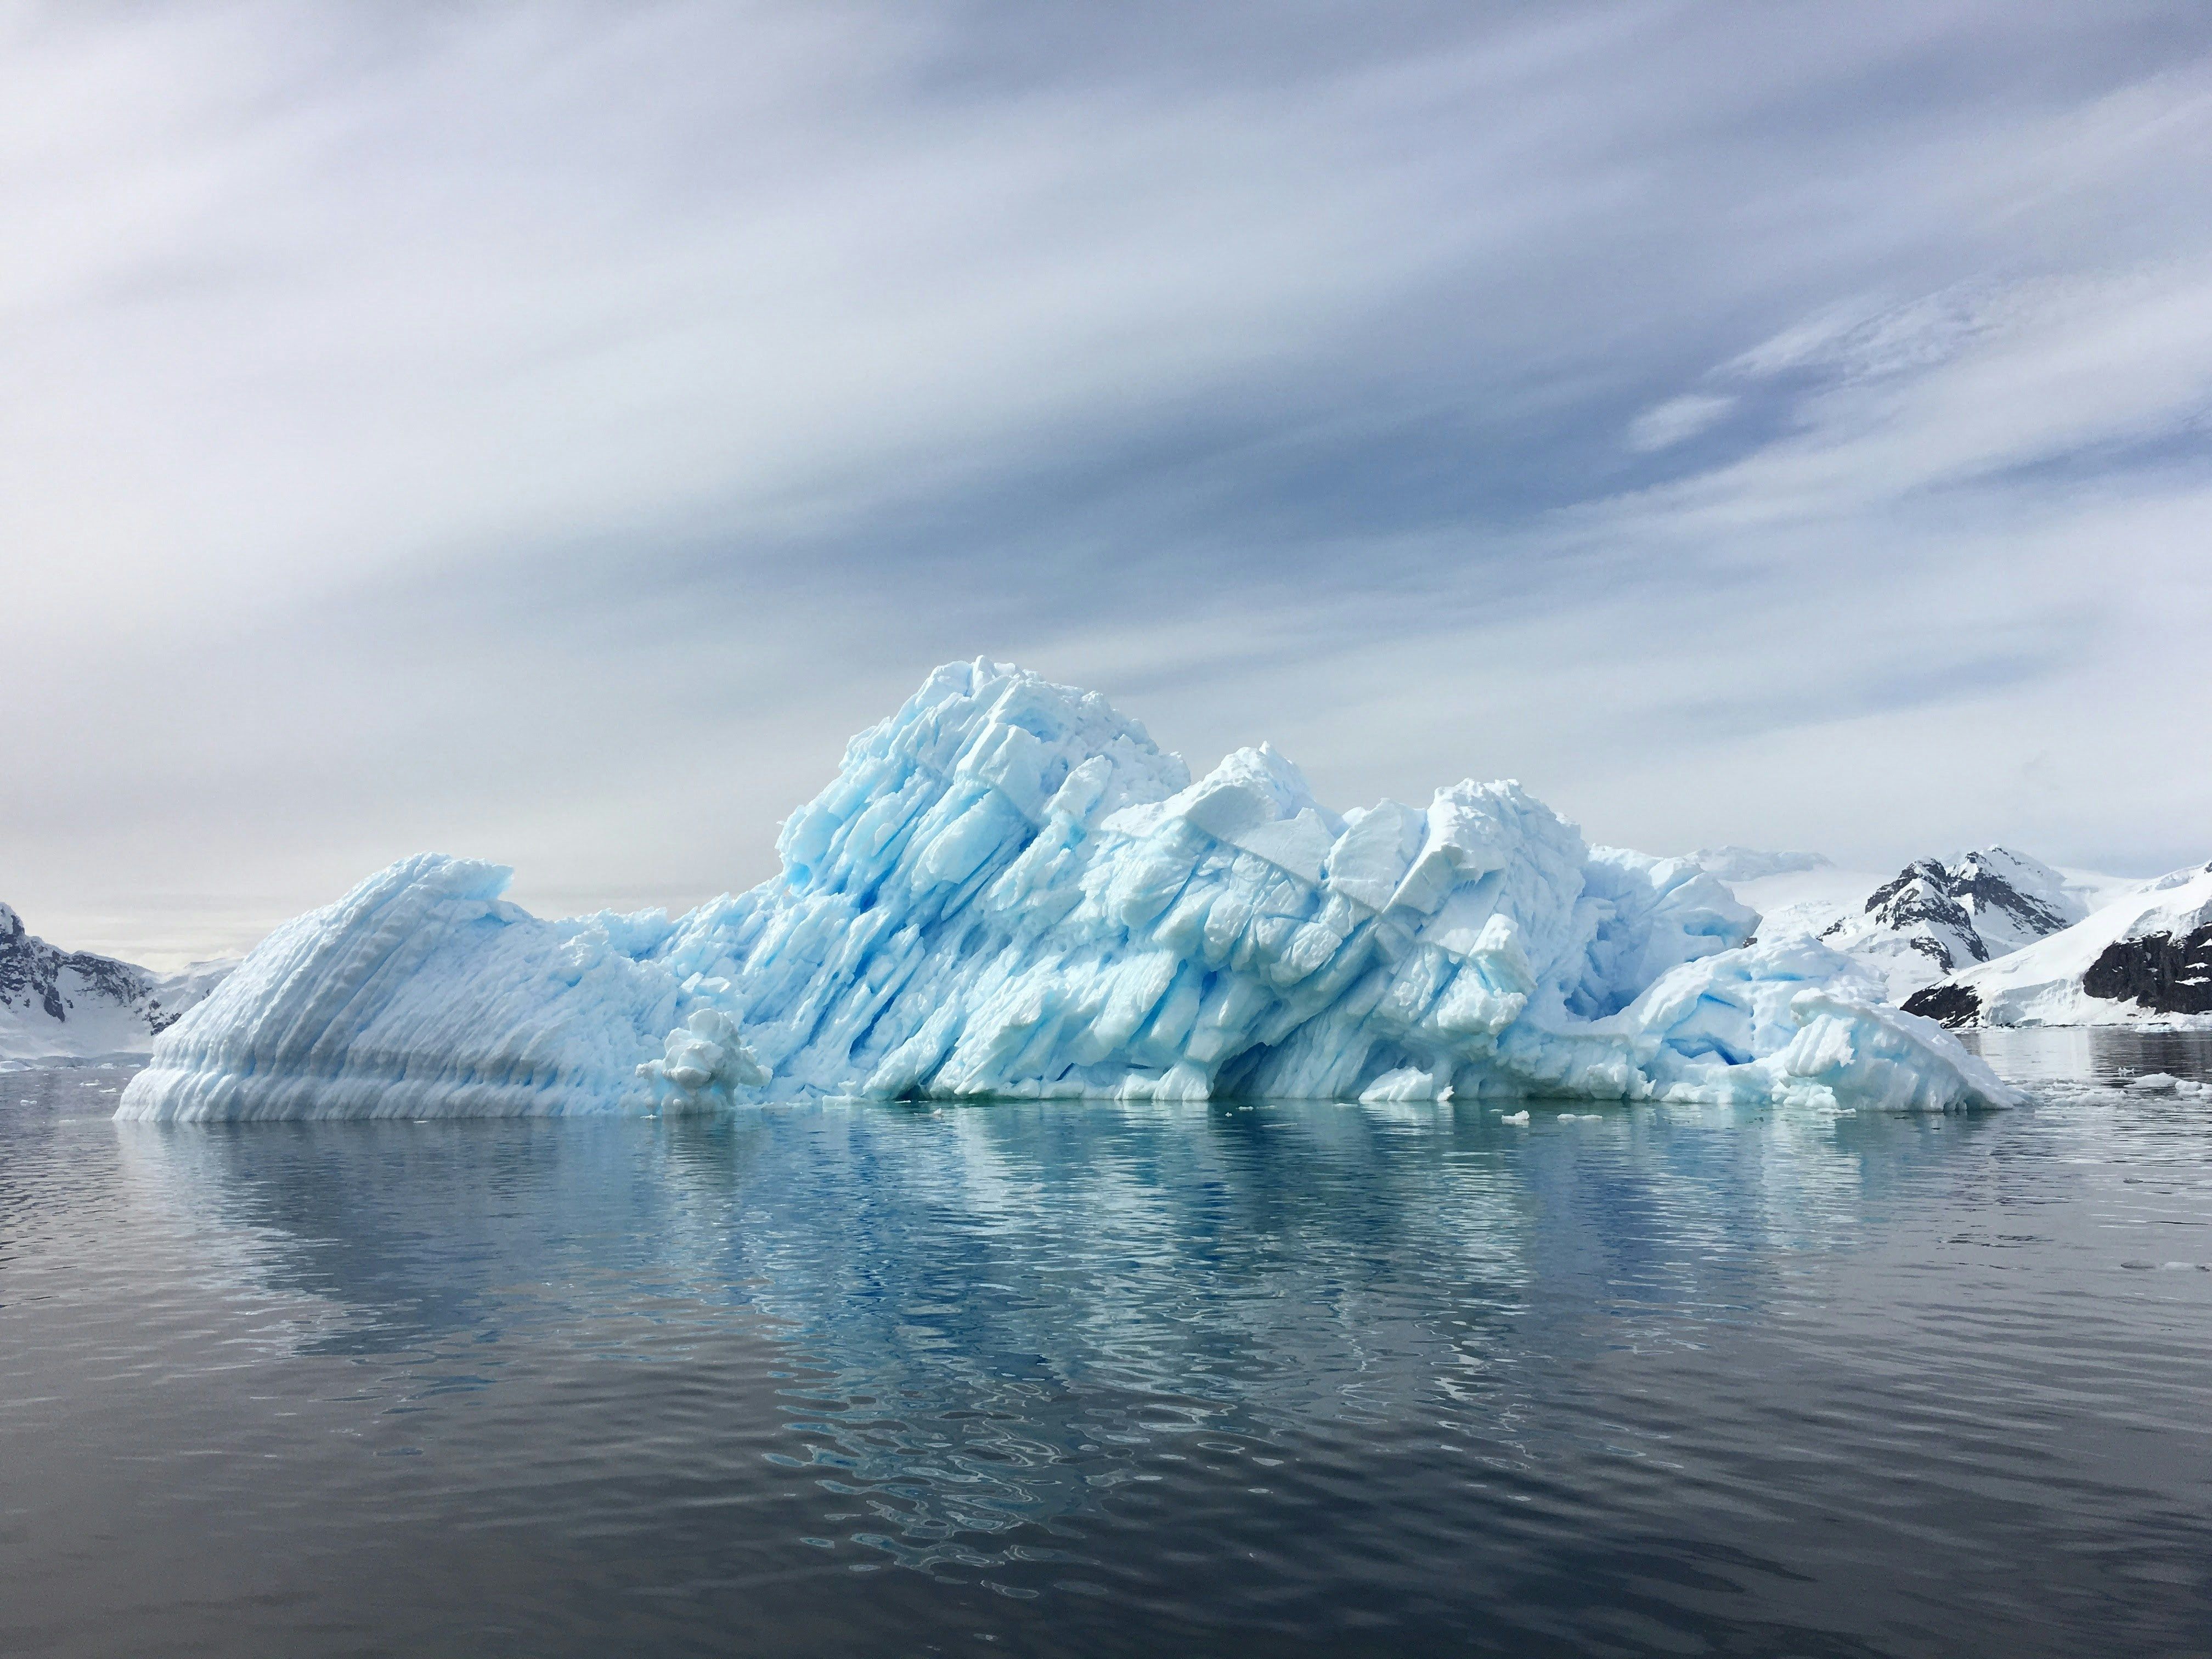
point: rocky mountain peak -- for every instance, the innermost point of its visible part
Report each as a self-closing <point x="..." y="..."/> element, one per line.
<point x="56" y="1002"/>
<point x="1958" y="912"/>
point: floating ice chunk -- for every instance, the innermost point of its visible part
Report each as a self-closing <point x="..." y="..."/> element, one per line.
<point x="703" y="1060"/>
<point x="1513" y="1117"/>
<point x="1793" y="1022"/>
<point x="1651" y="914"/>
<point x="1009" y="892"/>
<point x="2152" y="1083"/>
<point x="1407" y="1083"/>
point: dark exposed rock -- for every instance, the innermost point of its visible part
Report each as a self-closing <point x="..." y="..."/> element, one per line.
<point x="1919" y="901"/>
<point x="1980" y="888"/>
<point x="34" y="973"/>
<point x="2169" y="973"/>
<point x="1948" y="1005"/>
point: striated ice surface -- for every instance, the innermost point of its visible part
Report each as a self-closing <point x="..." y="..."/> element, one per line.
<point x="423" y="993"/>
<point x="1009" y="891"/>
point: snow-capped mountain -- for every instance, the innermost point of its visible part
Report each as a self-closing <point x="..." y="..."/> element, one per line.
<point x="57" y="1004"/>
<point x="1930" y="918"/>
<point x="1933" y="918"/>
<point x="2146" y="958"/>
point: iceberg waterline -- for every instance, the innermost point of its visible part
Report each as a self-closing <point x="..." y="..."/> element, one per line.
<point x="1009" y="890"/>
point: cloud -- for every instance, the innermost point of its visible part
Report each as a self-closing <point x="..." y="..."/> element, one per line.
<point x="1678" y="419"/>
<point x="546" y="433"/>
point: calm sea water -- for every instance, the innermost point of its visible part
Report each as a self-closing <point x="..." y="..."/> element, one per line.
<point x="1255" y="1378"/>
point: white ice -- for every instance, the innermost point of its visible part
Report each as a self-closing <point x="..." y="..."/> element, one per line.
<point x="1009" y="891"/>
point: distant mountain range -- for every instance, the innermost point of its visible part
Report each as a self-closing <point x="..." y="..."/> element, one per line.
<point x="57" y="1004"/>
<point x="2146" y="958"/>
<point x="1995" y="938"/>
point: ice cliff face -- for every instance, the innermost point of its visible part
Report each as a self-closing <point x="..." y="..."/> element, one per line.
<point x="57" y="1004"/>
<point x="2145" y="959"/>
<point x="1009" y="891"/>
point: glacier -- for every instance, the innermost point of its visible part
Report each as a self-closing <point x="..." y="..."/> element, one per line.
<point x="1009" y="891"/>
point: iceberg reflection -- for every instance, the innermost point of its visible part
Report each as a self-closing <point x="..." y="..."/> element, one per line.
<point x="963" y="1320"/>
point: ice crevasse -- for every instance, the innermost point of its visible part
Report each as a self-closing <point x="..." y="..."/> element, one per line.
<point x="1009" y="891"/>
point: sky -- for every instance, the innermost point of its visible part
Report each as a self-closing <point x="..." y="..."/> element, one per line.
<point x="545" y="434"/>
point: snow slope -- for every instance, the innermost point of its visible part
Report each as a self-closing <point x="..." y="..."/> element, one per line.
<point x="2145" y="959"/>
<point x="1738" y="864"/>
<point x="1804" y="902"/>
<point x="1008" y="889"/>
<point x="71" y="1005"/>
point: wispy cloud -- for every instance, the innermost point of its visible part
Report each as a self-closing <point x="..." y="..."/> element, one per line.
<point x="1664" y="425"/>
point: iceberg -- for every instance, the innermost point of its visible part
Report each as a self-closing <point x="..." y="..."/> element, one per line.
<point x="1008" y="890"/>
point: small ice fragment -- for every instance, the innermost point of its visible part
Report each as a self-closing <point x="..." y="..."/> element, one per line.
<point x="1513" y="1117"/>
<point x="705" y="1058"/>
<point x="1407" y="1083"/>
<point x="2152" y="1083"/>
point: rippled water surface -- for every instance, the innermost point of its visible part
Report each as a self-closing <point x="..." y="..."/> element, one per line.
<point x="1258" y="1377"/>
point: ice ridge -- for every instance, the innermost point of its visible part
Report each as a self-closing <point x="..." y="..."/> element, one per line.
<point x="1009" y="890"/>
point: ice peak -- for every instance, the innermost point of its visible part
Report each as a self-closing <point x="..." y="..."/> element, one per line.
<point x="979" y="738"/>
